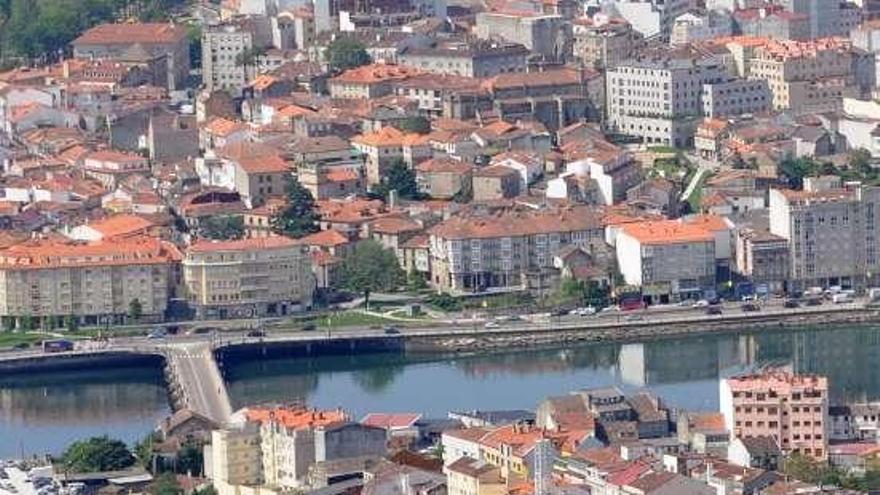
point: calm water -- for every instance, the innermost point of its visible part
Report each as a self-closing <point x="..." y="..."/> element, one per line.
<point x="45" y="412"/>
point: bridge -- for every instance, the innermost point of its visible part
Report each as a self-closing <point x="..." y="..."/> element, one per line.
<point x="196" y="382"/>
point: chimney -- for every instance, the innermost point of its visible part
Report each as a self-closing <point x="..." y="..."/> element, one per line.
<point x="392" y="199"/>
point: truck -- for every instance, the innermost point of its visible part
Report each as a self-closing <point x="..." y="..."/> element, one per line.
<point x="58" y="345"/>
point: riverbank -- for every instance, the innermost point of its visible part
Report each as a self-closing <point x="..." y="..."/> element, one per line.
<point x="641" y="331"/>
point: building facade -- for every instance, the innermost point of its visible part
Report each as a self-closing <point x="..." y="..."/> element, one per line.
<point x="790" y="409"/>
<point x="248" y="277"/>
<point x="480" y="59"/>
<point x="223" y="49"/>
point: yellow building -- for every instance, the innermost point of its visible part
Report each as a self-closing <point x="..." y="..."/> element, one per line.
<point x="468" y="476"/>
<point x="248" y="277"/>
<point x="92" y="281"/>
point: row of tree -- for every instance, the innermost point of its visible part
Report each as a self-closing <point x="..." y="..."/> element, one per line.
<point x="42" y="29"/>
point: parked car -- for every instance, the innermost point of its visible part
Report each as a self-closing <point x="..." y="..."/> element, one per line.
<point x="814" y="301"/>
<point x="702" y="303"/>
<point x="790" y="303"/>
<point x="714" y="310"/>
<point x="840" y="298"/>
<point x="635" y="318"/>
<point x="492" y="324"/>
<point x="750" y="307"/>
<point x="256" y="333"/>
<point x="201" y="330"/>
<point x="59" y="345"/>
<point x="391" y="331"/>
<point x="308" y="327"/>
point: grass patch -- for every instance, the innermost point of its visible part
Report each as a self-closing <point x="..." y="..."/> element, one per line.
<point x="10" y="339"/>
<point x="696" y="197"/>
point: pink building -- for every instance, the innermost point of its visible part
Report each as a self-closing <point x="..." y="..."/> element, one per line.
<point x="792" y="409"/>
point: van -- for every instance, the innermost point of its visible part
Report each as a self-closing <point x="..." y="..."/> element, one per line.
<point x="840" y="298"/>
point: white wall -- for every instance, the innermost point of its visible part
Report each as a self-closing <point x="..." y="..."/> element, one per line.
<point x="629" y="258"/>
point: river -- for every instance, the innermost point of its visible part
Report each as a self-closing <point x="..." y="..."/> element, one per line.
<point x="46" y="411"/>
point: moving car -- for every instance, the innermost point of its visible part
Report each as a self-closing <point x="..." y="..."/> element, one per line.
<point x="256" y="333"/>
<point x="714" y="310"/>
<point x="750" y="307"/>
<point x="790" y="303"/>
<point x="391" y="331"/>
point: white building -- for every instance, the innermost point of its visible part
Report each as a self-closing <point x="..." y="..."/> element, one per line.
<point x="222" y="66"/>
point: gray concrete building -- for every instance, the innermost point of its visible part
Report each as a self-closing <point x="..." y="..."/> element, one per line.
<point x="601" y="43"/>
<point x="773" y="23"/>
<point x="824" y="15"/>
<point x="832" y="232"/>
<point x="222" y="49"/>
<point x="736" y="97"/>
<point x="480" y="59"/>
<point x="547" y="36"/>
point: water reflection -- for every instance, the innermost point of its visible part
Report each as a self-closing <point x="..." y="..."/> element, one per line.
<point x="686" y="370"/>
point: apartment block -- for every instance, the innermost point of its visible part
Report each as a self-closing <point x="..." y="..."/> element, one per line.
<point x="248" y="277"/>
<point x="543" y="35"/>
<point x="736" y="97"/>
<point x="806" y="76"/>
<point x="508" y="248"/>
<point x="388" y="145"/>
<point x="791" y="409"/>
<point x="222" y="50"/>
<point x="672" y="259"/>
<point x="47" y="278"/>
<point x="657" y="96"/>
<point x="831" y="230"/>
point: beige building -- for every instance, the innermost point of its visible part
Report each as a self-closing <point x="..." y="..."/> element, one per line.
<point x="369" y="81"/>
<point x="91" y="281"/>
<point x="258" y="171"/>
<point x="388" y="145"/>
<point x="508" y="248"/>
<point x="601" y="43"/>
<point x="222" y="49"/>
<point x="790" y="409"/>
<point x="806" y="76"/>
<point x="248" y="277"/>
<point x="443" y="178"/>
<point x="496" y="182"/>
<point x="235" y="457"/>
<point x="468" y="476"/>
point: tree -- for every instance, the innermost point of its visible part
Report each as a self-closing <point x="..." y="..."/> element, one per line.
<point x="135" y="309"/>
<point x="795" y="169"/>
<point x="415" y="282"/>
<point x="165" y="484"/>
<point x="143" y="450"/>
<point x="71" y="322"/>
<point x="444" y="302"/>
<point x="194" y="33"/>
<point x="222" y="227"/>
<point x="346" y="53"/>
<point x="416" y="124"/>
<point x="804" y="468"/>
<point x="97" y="454"/>
<point x="371" y="268"/>
<point x="398" y="178"/>
<point x="299" y="217"/>
<point x="190" y="459"/>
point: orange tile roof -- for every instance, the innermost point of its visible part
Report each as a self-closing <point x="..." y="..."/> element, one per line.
<point x="342" y="175"/>
<point x="119" y="225"/>
<point x="712" y="223"/>
<point x="444" y="166"/>
<point x="325" y="238"/>
<point x="255" y="157"/>
<point x="114" y="156"/>
<point x="389" y="136"/>
<point x="394" y="225"/>
<point x="522" y="438"/>
<point x="295" y="417"/>
<point x="263" y="81"/>
<point x="375" y="73"/>
<point x="390" y="421"/>
<point x="519" y="222"/>
<point x="255" y="243"/>
<point x="667" y="232"/>
<point x="43" y="254"/>
<point x="224" y="127"/>
<point x="131" y="33"/>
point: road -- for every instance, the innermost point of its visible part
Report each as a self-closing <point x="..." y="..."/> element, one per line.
<point x="199" y="380"/>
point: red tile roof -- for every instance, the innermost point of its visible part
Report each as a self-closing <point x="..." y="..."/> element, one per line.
<point x="325" y="238"/>
<point x="256" y="243"/>
<point x="391" y="421"/>
<point x="42" y="253"/>
<point x="131" y="33"/>
<point x="297" y="418"/>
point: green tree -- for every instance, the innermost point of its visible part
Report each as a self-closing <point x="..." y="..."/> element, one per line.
<point x="370" y="269"/>
<point x="8" y="323"/>
<point x="194" y="33"/>
<point x="71" y="322"/>
<point x="416" y="124"/>
<point x="415" y="282"/>
<point x="444" y="302"/>
<point x="249" y="58"/>
<point x="222" y="227"/>
<point x="299" y="218"/>
<point x="165" y="484"/>
<point x="346" y="53"/>
<point x="190" y="459"/>
<point x="143" y="450"/>
<point x="135" y="309"/>
<point x="794" y="170"/>
<point x="398" y="178"/>
<point x="27" y="323"/>
<point x="804" y="468"/>
<point x="97" y="454"/>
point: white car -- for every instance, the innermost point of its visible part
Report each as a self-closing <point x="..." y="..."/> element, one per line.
<point x="702" y="303"/>
<point x="492" y="324"/>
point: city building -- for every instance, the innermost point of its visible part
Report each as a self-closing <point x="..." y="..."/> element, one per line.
<point x="772" y="22"/>
<point x="248" y="277"/>
<point x="164" y="46"/>
<point x="601" y="42"/>
<point x="831" y="230"/>
<point x="223" y="51"/>
<point x="479" y="59"/>
<point x="511" y="248"/>
<point x="496" y="182"/>
<point x="650" y="17"/>
<point x="736" y="97"/>
<point x="369" y="81"/>
<point x="444" y="178"/>
<point x="806" y="76"/>
<point x="859" y="422"/>
<point x="790" y="409"/>
<point x="697" y="26"/>
<point x="646" y="95"/>
<point x="544" y="35"/>
<point x="668" y="259"/>
<point x="387" y="146"/>
<point x="94" y="282"/>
